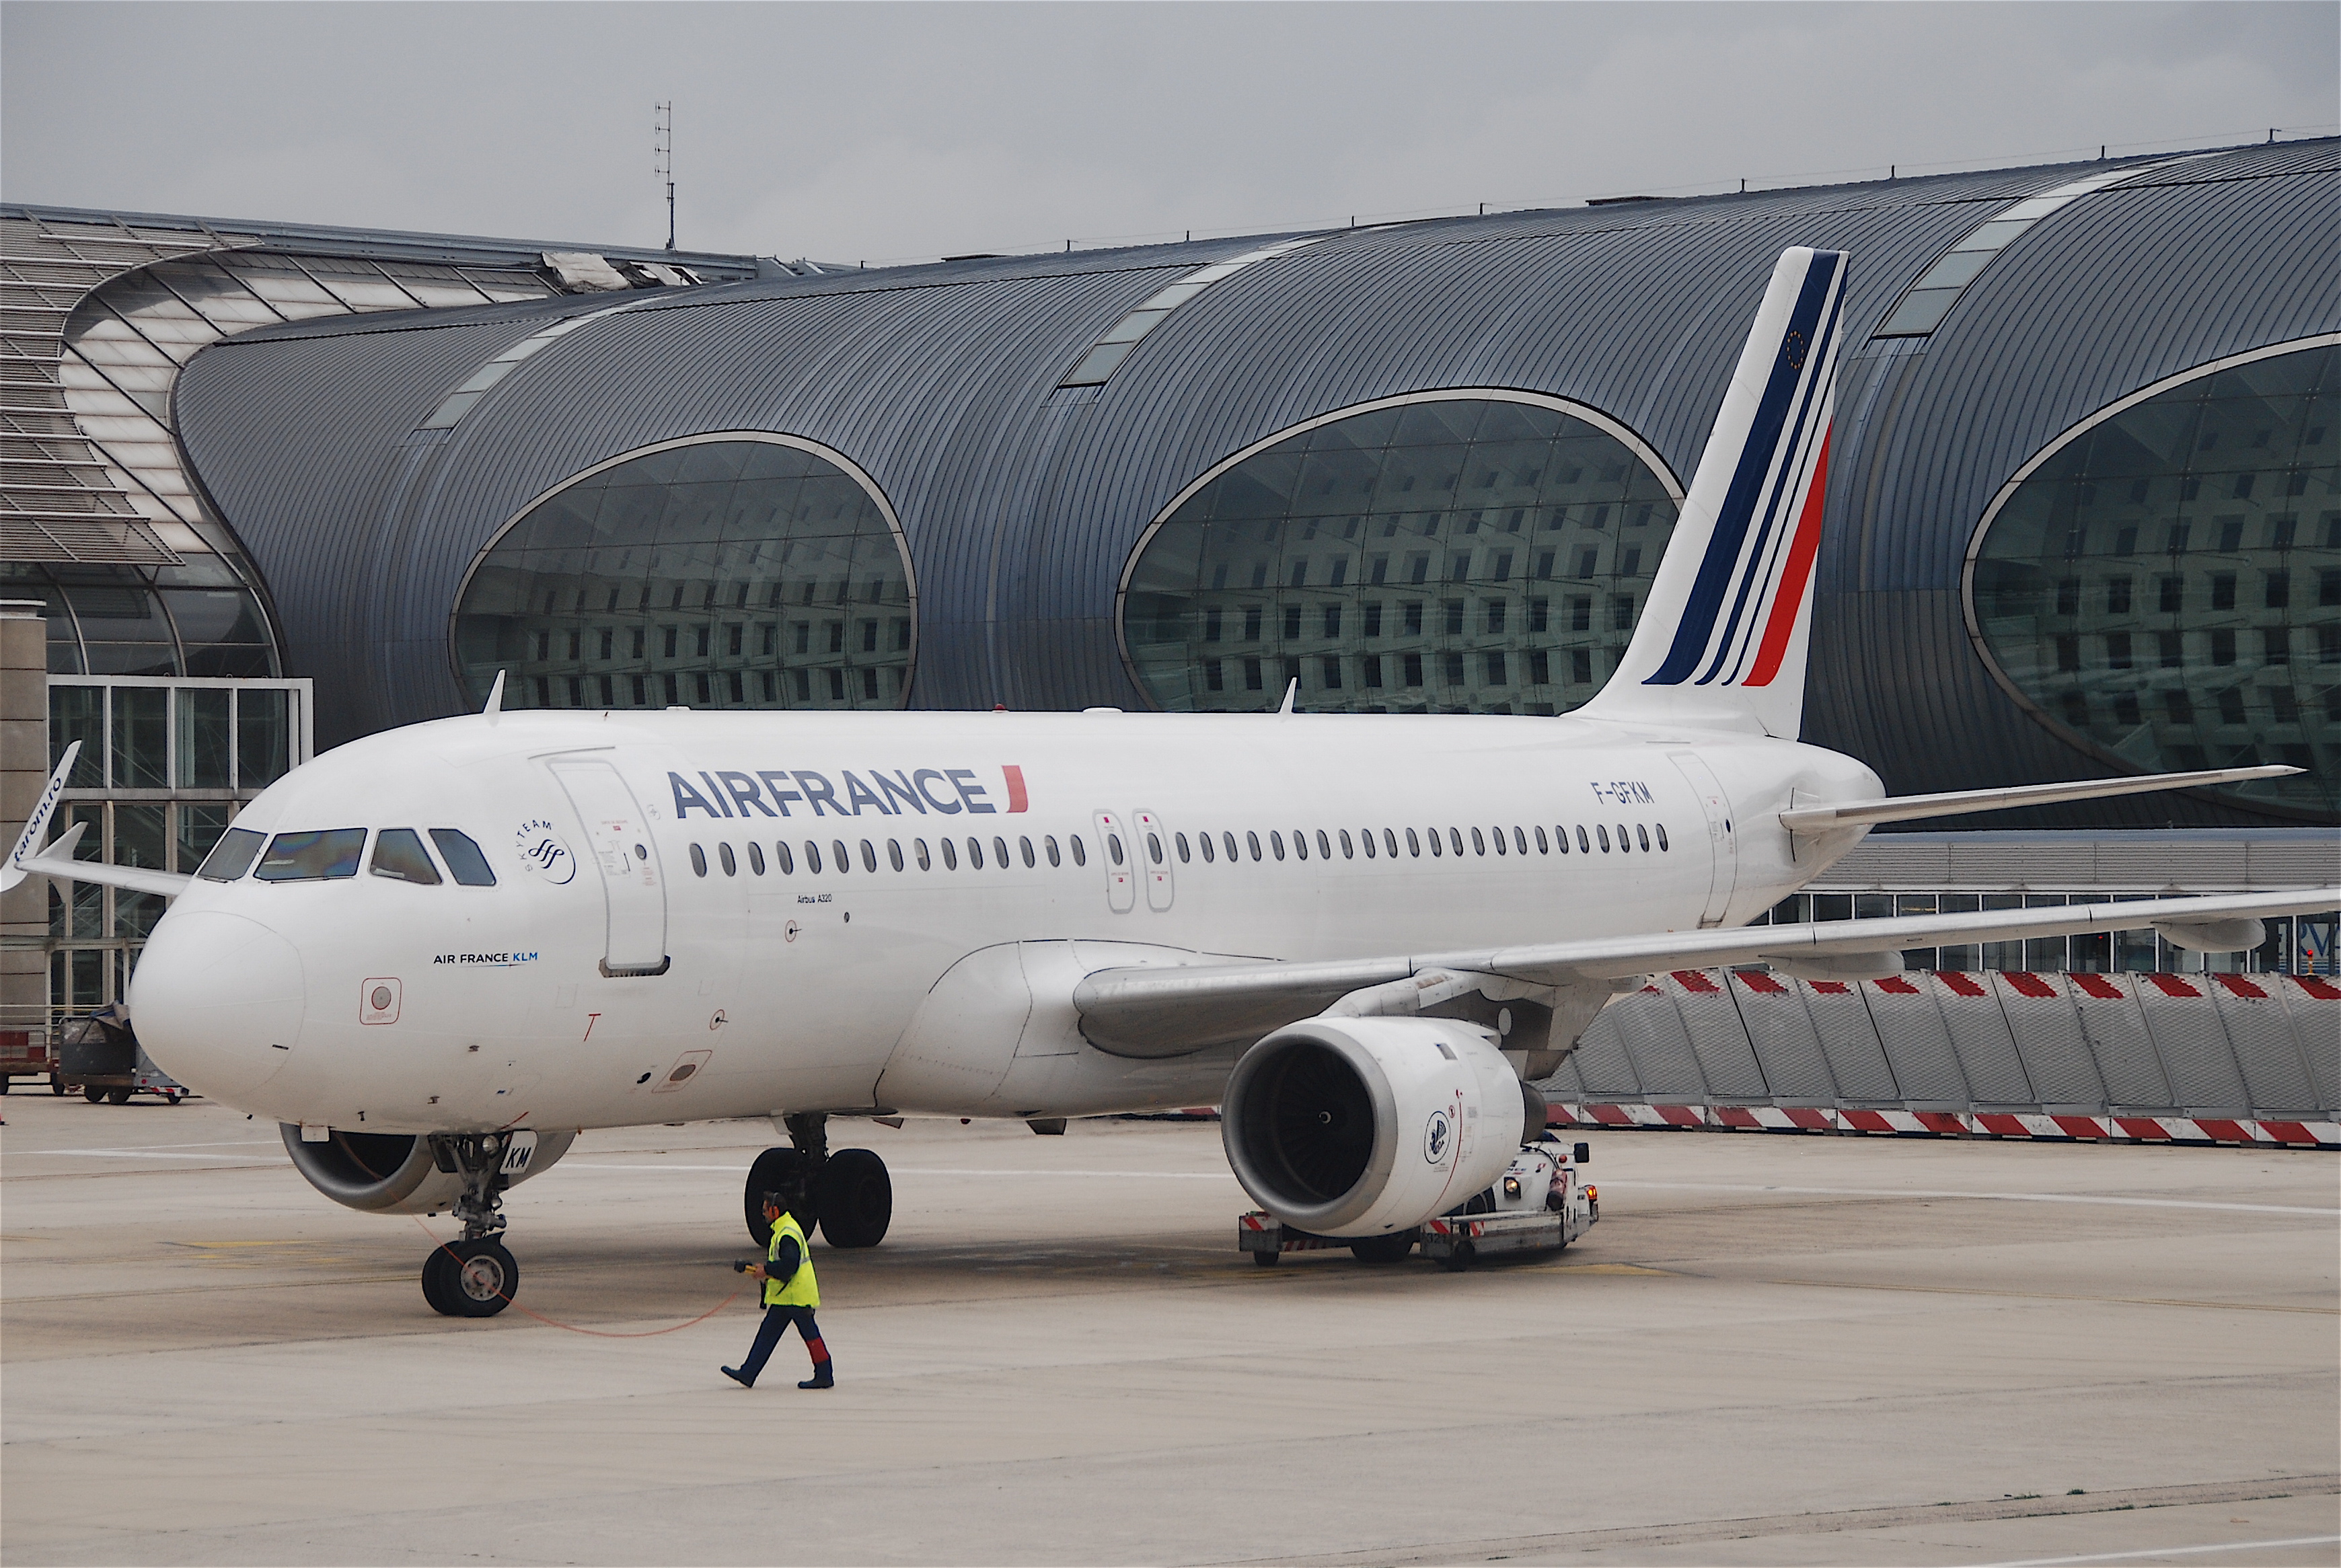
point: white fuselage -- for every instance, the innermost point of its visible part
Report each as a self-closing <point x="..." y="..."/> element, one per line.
<point x="791" y="989"/>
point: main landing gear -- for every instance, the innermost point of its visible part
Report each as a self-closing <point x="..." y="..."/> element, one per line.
<point x="848" y="1194"/>
<point x="476" y="1276"/>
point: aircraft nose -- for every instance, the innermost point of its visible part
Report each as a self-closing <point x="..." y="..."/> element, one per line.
<point x="217" y="1000"/>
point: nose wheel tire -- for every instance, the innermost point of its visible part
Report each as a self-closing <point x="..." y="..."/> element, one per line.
<point x="470" y="1279"/>
<point x="857" y="1199"/>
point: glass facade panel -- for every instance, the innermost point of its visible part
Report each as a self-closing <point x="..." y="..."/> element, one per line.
<point x="2166" y="586"/>
<point x="1481" y="554"/>
<point x="734" y="573"/>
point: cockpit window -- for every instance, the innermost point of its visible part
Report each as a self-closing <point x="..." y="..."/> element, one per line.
<point x="398" y="852"/>
<point x="231" y="856"/>
<point x="312" y="856"/>
<point x="463" y="858"/>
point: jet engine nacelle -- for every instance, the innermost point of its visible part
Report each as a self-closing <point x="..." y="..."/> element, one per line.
<point x="1367" y="1126"/>
<point x="395" y="1173"/>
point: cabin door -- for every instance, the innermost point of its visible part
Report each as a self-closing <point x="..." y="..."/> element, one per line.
<point x="619" y="842"/>
<point x="1723" y="843"/>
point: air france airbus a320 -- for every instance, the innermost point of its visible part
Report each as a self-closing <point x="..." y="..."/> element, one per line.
<point x="436" y="955"/>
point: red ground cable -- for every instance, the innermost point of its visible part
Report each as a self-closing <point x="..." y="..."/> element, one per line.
<point x="448" y="1248"/>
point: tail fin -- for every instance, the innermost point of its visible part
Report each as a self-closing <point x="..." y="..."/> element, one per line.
<point x="1721" y="642"/>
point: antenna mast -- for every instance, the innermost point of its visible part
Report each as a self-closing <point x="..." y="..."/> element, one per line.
<point x="663" y="143"/>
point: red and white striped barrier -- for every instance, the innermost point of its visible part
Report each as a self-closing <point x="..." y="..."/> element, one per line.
<point x="1954" y="1123"/>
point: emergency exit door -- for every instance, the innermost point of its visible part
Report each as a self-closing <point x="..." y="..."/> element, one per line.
<point x="1722" y="842"/>
<point x="1115" y="852"/>
<point x="619" y="842"/>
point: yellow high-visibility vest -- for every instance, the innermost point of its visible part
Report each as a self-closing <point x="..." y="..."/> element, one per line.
<point x="799" y="1289"/>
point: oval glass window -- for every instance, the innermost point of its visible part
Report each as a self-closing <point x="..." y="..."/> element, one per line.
<point x="1480" y="551"/>
<point x="742" y="571"/>
<point x="2163" y="585"/>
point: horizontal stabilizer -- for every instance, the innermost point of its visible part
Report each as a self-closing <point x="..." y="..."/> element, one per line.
<point x="1958" y="802"/>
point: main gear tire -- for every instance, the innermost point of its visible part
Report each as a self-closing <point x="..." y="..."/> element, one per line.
<point x="857" y="1199"/>
<point x="1382" y="1250"/>
<point x="470" y="1279"/>
<point x="785" y="1171"/>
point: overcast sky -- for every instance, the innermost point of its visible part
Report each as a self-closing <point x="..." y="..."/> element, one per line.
<point x="903" y="132"/>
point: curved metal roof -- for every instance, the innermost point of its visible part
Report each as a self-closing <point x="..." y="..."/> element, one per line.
<point x="1021" y="501"/>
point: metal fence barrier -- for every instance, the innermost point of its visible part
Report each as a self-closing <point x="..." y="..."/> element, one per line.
<point x="2210" y="1058"/>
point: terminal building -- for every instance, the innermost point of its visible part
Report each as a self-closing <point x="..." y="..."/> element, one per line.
<point x="274" y="487"/>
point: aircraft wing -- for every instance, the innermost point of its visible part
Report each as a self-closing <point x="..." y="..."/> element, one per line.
<point x="1162" y="1011"/>
<point x="29" y="859"/>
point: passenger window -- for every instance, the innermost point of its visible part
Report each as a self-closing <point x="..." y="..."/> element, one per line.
<point x="1642" y="837"/>
<point x="840" y="856"/>
<point x="399" y="854"/>
<point x="1455" y="837"/>
<point x="1154" y="847"/>
<point x="1604" y="833"/>
<point x="1662" y="837"/>
<point x="1024" y="848"/>
<point x="1437" y="844"/>
<point x="464" y="862"/>
<point x="1300" y="843"/>
<point x="1390" y="843"/>
<point x="1478" y="844"/>
<point x="1520" y="839"/>
<point x="1366" y="837"/>
<point x="231" y="856"/>
<point x="894" y="852"/>
<point x="1048" y="842"/>
<point x="1228" y="843"/>
<point x="869" y="856"/>
<point x="812" y="857"/>
<point x="1180" y="840"/>
<point x="1324" y="845"/>
<point x="975" y="853"/>
<point x="1542" y="847"/>
<point x="1203" y="842"/>
<point x="1347" y="853"/>
<point x="1625" y="844"/>
<point x="999" y="852"/>
<point x="698" y="861"/>
<point x="950" y="855"/>
<point x="1080" y="851"/>
<point x="1584" y="845"/>
<point x="1413" y="845"/>
<point x="788" y="861"/>
<point x="1113" y="847"/>
<point x="1252" y="840"/>
<point x="755" y="857"/>
<point x="918" y="848"/>
<point x="312" y="856"/>
<point x="731" y="862"/>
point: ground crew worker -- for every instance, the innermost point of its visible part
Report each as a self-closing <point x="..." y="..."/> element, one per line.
<point x="791" y="1292"/>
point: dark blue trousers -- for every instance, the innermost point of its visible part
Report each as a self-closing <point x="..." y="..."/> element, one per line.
<point x="776" y="1322"/>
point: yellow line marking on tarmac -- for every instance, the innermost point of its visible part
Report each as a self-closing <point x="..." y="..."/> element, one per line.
<point x="2057" y="1296"/>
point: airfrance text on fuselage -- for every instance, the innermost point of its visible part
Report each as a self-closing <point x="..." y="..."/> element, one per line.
<point x="771" y="792"/>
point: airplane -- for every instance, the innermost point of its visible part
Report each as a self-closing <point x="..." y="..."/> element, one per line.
<point x="436" y="955"/>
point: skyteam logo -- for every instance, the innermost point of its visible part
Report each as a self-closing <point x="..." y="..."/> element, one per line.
<point x="546" y="856"/>
<point x="1438" y="1133"/>
<point x="1744" y="606"/>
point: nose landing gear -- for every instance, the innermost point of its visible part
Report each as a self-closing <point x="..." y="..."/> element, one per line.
<point x="475" y="1278"/>
<point x="848" y="1194"/>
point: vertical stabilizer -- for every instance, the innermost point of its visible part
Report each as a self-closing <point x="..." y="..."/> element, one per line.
<point x="1721" y="642"/>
